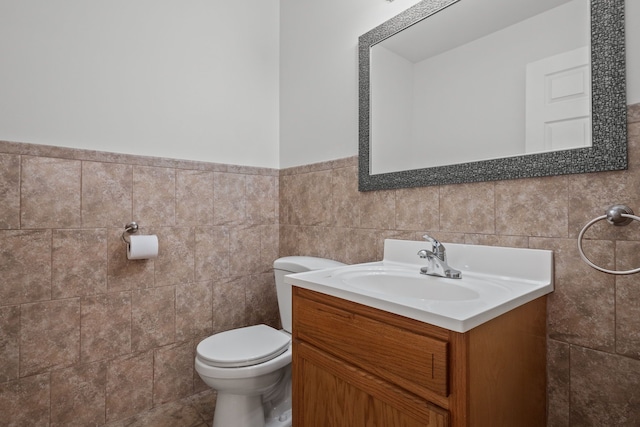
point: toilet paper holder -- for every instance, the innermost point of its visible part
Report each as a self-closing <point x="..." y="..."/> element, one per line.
<point x="139" y="247"/>
<point x="130" y="228"/>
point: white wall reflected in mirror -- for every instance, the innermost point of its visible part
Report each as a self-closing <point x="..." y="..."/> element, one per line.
<point x="460" y="93"/>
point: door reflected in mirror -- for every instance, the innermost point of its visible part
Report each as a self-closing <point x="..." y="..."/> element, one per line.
<point x="482" y="80"/>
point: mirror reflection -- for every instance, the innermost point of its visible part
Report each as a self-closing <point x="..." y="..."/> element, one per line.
<point x="481" y="80"/>
<point x="461" y="115"/>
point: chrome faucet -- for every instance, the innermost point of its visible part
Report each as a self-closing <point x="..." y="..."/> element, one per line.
<point x="437" y="258"/>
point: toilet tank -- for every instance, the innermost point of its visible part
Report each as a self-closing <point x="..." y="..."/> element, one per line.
<point x="289" y="265"/>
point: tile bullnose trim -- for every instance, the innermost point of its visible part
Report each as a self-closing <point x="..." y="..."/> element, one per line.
<point x="40" y="150"/>
<point x="321" y="166"/>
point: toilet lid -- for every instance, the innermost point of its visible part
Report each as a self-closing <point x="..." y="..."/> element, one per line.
<point x="243" y="346"/>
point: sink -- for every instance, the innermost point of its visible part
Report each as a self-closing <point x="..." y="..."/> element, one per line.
<point x="409" y="284"/>
<point x="494" y="281"/>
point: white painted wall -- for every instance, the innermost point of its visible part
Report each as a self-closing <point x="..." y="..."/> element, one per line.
<point x="192" y="79"/>
<point x="319" y="73"/>
<point x="391" y="111"/>
<point x="197" y="79"/>
<point x="632" y="28"/>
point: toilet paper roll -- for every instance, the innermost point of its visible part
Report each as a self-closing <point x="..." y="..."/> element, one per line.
<point x="142" y="247"/>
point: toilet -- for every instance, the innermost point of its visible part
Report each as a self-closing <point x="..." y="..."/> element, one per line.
<point x="250" y="368"/>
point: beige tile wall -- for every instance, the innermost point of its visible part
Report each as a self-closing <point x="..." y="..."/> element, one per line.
<point x="593" y="318"/>
<point x="88" y="337"/>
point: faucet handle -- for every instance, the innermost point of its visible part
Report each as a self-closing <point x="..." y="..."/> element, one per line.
<point x="433" y="241"/>
<point x="437" y="247"/>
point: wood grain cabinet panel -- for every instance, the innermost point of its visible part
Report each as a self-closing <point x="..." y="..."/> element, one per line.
<point x="337" y="394"/>
<point x="390" y="352"/>
<point x="358" y="366"/>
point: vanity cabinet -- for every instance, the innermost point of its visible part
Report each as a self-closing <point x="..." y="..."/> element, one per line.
<point x="354" y="366"/>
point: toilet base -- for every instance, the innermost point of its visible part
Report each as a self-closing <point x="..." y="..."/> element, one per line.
<point x="245" y="411"/>
<point x="238" y="410"/>
<point x="284" y="420"/>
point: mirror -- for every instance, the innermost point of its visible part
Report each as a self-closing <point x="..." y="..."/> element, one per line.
<point x="456" y="91"/>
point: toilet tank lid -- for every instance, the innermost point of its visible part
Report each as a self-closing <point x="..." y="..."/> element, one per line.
<point x="298" y="264"/>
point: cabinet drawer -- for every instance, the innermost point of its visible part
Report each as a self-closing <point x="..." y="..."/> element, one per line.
<point x="401" y="356"/>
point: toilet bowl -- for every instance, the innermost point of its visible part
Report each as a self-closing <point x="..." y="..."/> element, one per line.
<point x="250" y="367"/>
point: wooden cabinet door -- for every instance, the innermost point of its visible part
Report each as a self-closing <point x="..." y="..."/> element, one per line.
<point x="331" y="393"/>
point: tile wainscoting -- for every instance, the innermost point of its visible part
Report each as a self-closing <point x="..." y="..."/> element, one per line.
<point x="593" y="318"/>
<point x="88" y="337"/>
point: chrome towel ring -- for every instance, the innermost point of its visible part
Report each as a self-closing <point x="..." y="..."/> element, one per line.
<point x="617" y="215"/>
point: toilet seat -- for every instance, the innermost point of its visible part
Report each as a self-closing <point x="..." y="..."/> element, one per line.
<point x="247" y="346"/>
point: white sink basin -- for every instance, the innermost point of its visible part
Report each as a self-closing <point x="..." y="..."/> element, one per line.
<point x="494" y="281"/>
<point x="409" y="283"/>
